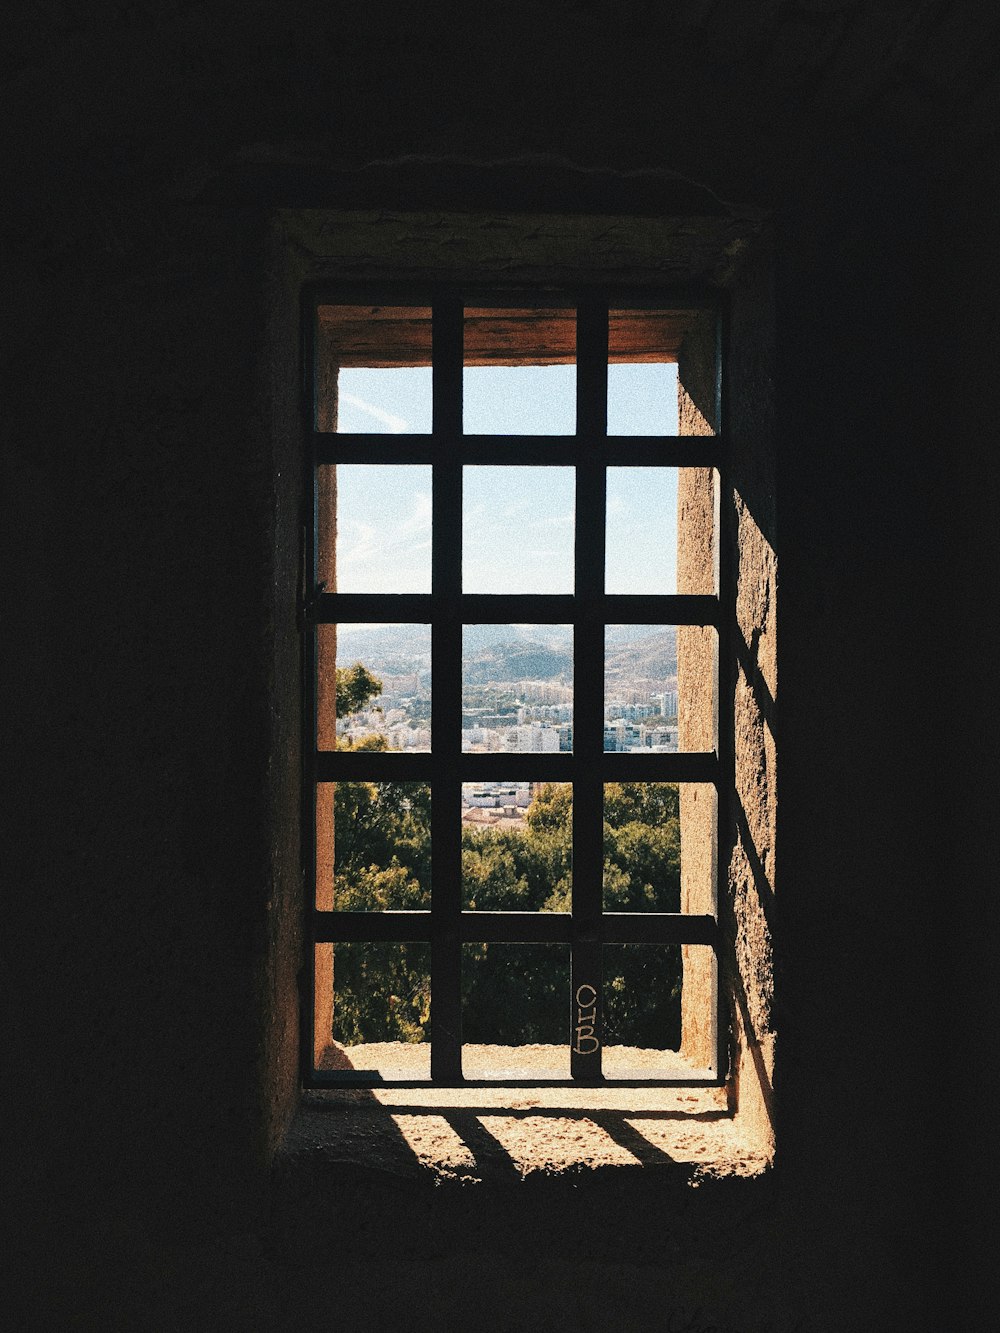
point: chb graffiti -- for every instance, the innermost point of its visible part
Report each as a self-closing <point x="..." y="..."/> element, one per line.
<point x="587" y="1041"/>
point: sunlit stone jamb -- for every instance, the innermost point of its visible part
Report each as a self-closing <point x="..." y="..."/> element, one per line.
<point x="698" y="687"/>
<point x="327" y="372"/>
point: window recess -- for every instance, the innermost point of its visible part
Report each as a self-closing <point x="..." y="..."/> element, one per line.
<point x="515" y="757"/>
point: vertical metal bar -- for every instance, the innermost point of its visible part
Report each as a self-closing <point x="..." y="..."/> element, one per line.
<point x="446" y="664"/>
<point x="586" y="1017"/>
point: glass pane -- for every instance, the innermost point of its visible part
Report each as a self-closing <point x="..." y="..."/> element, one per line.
<point x="373" y="369"/>
<point x="517" y="529"/>
<point x="520" y="376"/>
<point x="640" y="687"/>
<point x="384" y="402"/>
<point x="660" y="688"/>
<point x="643" y="346"/>
<point x="644" y="1019"/>
<point x="381" y="518"/>
<point x="373" y="846"/>
<point x="515" y="1007"/>
<point x="659" y="847"/>
<point x="517" y="688"/>
<point x="642" y="399"/>
<point x="642" y="847"/>
<point x="641" y="549"/>
<point x="382" y="686"/>
<point x="517" y="846"/>
<point x="380" y="1011"/>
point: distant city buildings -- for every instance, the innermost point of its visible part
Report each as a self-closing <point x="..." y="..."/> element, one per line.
<point x="496" y="795"/>
<point x="496" y="804"/>
<point x="519" y="717"/>
<point x="621" y="736"/>
<point x="532" y="738"/>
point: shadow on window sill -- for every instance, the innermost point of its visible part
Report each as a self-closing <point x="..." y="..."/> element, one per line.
<point x="506" y="1132"/>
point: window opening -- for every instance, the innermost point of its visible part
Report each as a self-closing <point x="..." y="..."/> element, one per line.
<point x="527" y="892"/>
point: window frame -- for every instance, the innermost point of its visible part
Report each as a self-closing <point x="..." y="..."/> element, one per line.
<point x="590" y="451"/>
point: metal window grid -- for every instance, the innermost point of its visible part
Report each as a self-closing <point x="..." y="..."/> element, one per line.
<point x="590" y="451"/>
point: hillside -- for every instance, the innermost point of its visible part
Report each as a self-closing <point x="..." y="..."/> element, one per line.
<point x="512" y="652"/>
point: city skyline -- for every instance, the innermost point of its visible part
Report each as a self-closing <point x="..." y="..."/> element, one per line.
<point x="517" y="691"/>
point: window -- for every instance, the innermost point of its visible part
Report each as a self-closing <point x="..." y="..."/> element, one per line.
<point x="514" y="748"/>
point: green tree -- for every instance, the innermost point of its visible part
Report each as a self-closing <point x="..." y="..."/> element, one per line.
<point x="511" y="993"/>
<point x="356" y="685"/>
<point x="382" y="843"/>
<point x="382" y="992"/>
<point x="382" y="850"/>
<point x="382" y="827"/>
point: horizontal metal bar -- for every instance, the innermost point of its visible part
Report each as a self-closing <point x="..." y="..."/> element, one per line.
<point x="638" y="767"/>
<point x="635" y="609"/>
<point x="658" y="928"/>
<point x="582" y="448"/>
<point x="470" y="609"/>
<point x="400" y="766"/>
<point x="375" y="766"/>
<point x="348" y="607"/>
<point x="517" y="928"/>
<point x="614" y="928"/>
<point x="391" y="608"/>
<point x="517" y="609"/>
<point x="512" y="608"/>
<point x="526" y="450"/>
<point x="607" y="609"/>
<point x="330" y="449"/>
<point x="517" y="767"/>
<point x="396" y="766"/>
<point x="344" y="927"/>
<point x="661" y="450"/>
<point x="371" y="1078"/>
<point x="521" y="450"/>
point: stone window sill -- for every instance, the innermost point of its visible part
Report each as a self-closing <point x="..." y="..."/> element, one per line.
<point x="478" y="1134"/>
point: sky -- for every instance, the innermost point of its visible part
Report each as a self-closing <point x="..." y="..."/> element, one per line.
<point x="518" y="522"/>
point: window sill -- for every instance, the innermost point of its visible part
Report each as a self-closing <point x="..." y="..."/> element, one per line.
<point x="480" y="1133"/>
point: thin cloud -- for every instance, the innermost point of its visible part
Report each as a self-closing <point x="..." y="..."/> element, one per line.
<point x="396" y="425"/>
<point x="387" y="557"/>
<point x="420" y="519"/>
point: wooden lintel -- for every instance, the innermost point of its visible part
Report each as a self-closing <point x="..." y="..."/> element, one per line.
<point x="387" y="336"/>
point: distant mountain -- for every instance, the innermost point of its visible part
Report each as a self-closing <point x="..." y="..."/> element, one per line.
<point x="516" y="659"/>
<point x="624" y="634"/>
<point x="482" y="638"/>
<point x="651" y="657"/>
<point x="394" y="649"/>
<point x="511" y="652"/>
<point x="478" y="637"/>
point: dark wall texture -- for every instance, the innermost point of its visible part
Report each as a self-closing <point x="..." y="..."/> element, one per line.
<point x="152" y="746"/>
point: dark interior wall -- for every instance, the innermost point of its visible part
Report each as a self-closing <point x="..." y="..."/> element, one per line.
<point x="858" y="1012"/>
<point x="146" y="563"/>
<point x="965" y="524"/>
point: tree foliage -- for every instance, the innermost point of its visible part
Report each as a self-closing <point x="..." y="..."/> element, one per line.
<point x="512" y="993"/>
<point x="356" y="686"/>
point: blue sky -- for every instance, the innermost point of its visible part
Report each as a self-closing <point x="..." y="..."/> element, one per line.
<point x="518" y="528"/>
<point x="383" y="528"/>
<point x="508" y="400"/>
